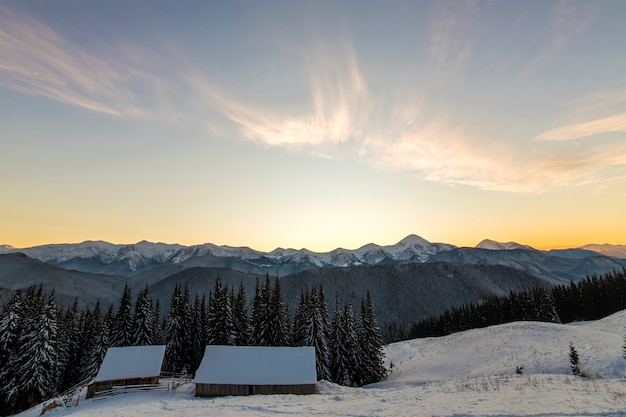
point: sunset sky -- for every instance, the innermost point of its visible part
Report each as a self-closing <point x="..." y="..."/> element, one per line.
<point x="313" y="124"/>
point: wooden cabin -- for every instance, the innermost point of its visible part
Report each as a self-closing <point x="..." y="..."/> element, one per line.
<point x="249" y="370"/>
<point x="128" y="365"/>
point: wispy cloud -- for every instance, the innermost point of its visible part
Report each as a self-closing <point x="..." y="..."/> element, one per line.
<point x="402" y="132"/>
<point x="616" y="123"/>
<point x="450" y="40"/>
<point x="570" y="18"/>
<point x="592" y="114"/>
<point x="36" y="60"/>
<point x="339" y="106"/>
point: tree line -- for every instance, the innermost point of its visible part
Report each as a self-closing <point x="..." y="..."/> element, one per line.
<point x="590" y="299"/>
<point x="46" y="349"/>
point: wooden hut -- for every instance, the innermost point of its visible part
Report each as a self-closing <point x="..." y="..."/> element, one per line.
<point x="249" y="370"/>
<point x="128" y="365"/>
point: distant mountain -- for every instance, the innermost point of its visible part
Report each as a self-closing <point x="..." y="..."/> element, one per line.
<point x="493" y="245"/>
<point x="18" y="271"/>
<point x="564" y="265"/>
<point x="618" y="251"/>
<point x="130" y="260"/>
<point x="401" y="293"/>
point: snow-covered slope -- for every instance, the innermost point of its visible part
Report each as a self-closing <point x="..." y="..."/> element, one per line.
<point x="537" y="347"/>
<point x="466" y="374"/>
<point x="618" y="251"/>
<point x="103" y="257"/>
<point x="493" y="245"/>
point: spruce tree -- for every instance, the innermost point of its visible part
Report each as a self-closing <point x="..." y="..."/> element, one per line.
<point x="240" y="335"/>
<point x="122" y="330"/>
<point x="220" y="316"/>
<point x="345" y="348"/>
<point x="37" y="372"/>
<point x="574" y="360"/>
<point x="198" y="340"/>
<point x="371" y="344"/>
<point x="11" y="326"/>
<point x="143" y="320"/>
<point x="279" y="321"/>
<point x="92" y="339"/>
<point x="178" y="332"/>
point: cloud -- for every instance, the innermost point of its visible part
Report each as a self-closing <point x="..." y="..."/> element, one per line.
<point x="36" y="60"/>
<point x="615" y="123"/>
<point x="402" y="132"/>
<point x="450" y="41"/>
<point x="339" y="105"/>
<point x="343" y="115"/>
<point x="569" y="19"/>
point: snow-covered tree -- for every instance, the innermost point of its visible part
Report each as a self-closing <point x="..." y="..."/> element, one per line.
<point x="178" y="332"/>
<point x="240" y="330"/>
<point x="219" y="325"/>
<point x="260" y="313"/>
<point x="143" y="320"/>
<point x="371" y="345"/>
<point x="311" y="328"/>
<point x="37" y="365"/>
<point x="344" y="346"/>
<point x="95" y="342"/>
<point x="574" y="360"/>
<point x="69" y="346"/>
<point x="279" y="321"/>
<point x="11" y="325"/>
<point x="197" y="332"/>
<point x="122" y="330"/>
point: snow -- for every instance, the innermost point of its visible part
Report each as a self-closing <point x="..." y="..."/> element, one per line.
<point x="493" y="245"/>
<point x="618" y="251"/>
<point x="466" y="374"/>
<point x="131" y="362"/>
<point x="257" y="365"/>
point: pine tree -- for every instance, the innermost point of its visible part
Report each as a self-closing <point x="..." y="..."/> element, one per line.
<point x="11" y="326"/>
<point x="143" y="320"/>
<point x="37" y="372"/>
<point x="279" y="321"/>
<point x="219" y="316"/>
<point x="240" y="331"/>
<point x="574" y="360"/>
<point x="178" y="332"/>
<point x="259" y="315"/>
<point x="93" y="332"/>
<point x="322" y="335"/>
<point x="345" y="348"/>
<point x="71" y="350"/>
<point x="311" y="328"/>
<point x="156" y="325"/>
<point x="122" y="330"/>
<point x="371" y="343"/>
<point x="198" y="340"/>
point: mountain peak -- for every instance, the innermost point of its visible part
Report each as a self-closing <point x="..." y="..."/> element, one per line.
<point x="494" y="245"/>
<point x="414" y="240"/>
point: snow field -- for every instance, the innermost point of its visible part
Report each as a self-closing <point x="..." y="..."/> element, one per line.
<point x="465" y="374"/>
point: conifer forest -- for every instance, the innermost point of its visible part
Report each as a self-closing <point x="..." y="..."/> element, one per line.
<point x="46" y="349"/>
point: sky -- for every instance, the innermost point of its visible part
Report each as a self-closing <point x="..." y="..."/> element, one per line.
<point x="317" y="124"/>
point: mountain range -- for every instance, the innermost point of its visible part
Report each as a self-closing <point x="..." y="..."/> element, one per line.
<point x="410" y="280"/>
<point x="130" y="260"/>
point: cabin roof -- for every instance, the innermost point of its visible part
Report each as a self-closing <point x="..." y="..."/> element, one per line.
<point x="131" y="362"/>
<point x="257" y="365"/>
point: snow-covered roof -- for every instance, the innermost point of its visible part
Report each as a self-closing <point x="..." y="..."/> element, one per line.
<point x="257" y="365"/>
<point x="131" y="362"/>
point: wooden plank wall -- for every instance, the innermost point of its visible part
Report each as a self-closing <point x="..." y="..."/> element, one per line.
<point x="219" y="390"/>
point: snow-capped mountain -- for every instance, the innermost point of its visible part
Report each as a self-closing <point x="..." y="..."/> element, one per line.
<point x="493" y="245"/>
<point x="618" y="251"/>
<point x="104" y="257"/>
<point x="129" y="260"/>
